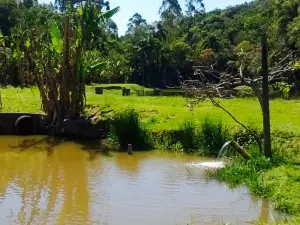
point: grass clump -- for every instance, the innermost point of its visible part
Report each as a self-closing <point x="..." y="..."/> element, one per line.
<point x="206" y="139"/>
<point x="188" y="136"/>
<point x="166" y="141"/>
<point x="212" y="137"/>
<point x="127" y="129"/>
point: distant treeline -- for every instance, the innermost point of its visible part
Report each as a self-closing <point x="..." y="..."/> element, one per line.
<point x="161" y="54"/>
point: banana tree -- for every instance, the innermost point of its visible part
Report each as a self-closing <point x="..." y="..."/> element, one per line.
<point x="54" y="59"/>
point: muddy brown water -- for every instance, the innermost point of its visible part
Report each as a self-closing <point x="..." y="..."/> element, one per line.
<point x="67" y="185"/>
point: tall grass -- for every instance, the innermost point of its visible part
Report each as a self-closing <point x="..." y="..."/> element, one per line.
<point x="213" y="135"/>
<point x="188" y="136"/>
<point x="206" y="139"/>
<point x="127" y="129"/>
<point x="166" y="141"/>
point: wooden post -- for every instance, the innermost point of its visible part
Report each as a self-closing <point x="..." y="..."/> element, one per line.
<point x="99" y="90"/>
<point x="157" y="92"/>
<point x="140" y="92"/>
<point x="130" y="149"/>
<point x="265" y="97"/>
<point x="125" y="91"/>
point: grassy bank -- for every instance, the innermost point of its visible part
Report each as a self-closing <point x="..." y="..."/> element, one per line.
<point x="204" y="139"/>
<point x="277" y="179"/>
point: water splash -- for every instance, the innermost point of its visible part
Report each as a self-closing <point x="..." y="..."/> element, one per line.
<point x="213" y="164"/>
<point x="224" y="149"/>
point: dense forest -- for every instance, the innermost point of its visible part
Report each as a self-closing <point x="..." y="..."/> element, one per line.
<point x="162" y="53"/>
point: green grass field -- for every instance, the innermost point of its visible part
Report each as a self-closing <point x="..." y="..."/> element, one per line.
<point x="167" y="113"/>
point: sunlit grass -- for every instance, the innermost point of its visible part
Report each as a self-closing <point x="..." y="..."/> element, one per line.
<point x="168" y="113"/>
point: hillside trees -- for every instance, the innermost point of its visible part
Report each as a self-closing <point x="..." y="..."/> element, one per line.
<point x="156" y="54"/>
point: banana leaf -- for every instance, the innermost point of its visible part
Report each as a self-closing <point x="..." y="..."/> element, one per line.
<point x="98" y="66"/>
<point x="109" y="14"/>
<point x="56" y="38"/>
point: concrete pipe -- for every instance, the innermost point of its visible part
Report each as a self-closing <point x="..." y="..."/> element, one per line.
<point x="25" y="125"/>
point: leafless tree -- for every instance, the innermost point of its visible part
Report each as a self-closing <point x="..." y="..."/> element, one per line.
<point x="258" y="81"/>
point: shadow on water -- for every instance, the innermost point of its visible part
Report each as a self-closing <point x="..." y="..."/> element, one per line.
<point x="44" y="144"/>
<point x="93" y="147"/>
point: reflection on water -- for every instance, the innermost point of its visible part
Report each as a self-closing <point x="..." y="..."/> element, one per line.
<point x="69" y="186"/>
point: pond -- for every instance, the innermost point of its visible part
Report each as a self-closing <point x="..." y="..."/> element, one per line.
<point x="67" y="185"/>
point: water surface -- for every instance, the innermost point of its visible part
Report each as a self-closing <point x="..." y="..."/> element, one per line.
<point x="64" y="184"/>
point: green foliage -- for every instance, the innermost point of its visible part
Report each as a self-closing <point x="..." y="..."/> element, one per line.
<point x="162" y="54"/>
<point x="179" y="53"/>
<point x="55" y="59"/>
<point x="276" y="179"/>
<point x="204" y="140"/>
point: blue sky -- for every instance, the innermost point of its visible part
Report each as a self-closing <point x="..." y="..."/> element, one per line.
<point x="149" y="9"/>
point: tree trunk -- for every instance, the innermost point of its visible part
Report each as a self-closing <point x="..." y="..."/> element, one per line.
<point x="265" y="95"/>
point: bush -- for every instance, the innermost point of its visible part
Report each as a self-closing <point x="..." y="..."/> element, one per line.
<point x="126" y="129"/>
